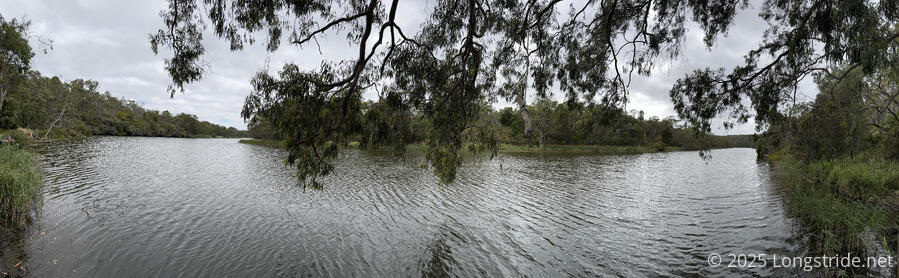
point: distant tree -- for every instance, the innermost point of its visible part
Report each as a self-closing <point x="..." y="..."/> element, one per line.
<point x="61" y="102"/>
<point x="385" y="126"/>
<point x="837" y="121"/>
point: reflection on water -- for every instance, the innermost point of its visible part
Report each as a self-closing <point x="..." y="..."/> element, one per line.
<point x="117" y="206"/>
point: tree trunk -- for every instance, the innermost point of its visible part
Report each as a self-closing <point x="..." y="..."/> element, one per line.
<point x="520" y="99"/>
<point x="2" y="96"/>
<point x="540" y="139"/>
<point x="523" y="110"/>
<point x="2" y="91"/>
<point x="61" y="113"/>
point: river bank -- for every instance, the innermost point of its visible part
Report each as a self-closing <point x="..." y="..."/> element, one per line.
<point x="42" y="136"/>
<point x="848" y="205"/>
<point x="513" y="148"/>
<point x="20" y="183"/>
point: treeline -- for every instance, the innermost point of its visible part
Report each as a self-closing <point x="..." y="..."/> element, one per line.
<point x="59" y="109"/>
<point x="553" y="123"/>
<point x="77" y="108"/>
<point x="577" y="124"/>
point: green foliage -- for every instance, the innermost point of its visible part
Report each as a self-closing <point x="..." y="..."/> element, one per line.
<point x="556" y="123"/>
<point x="659" y="145"/>
<point x="387" y="124"/>
<point x="445" y="161"/>
<point x="9" y="113"/>
<point x="836" y="123"/>
<point x="836" y="157"/>
<point x="859" y="178"/>
<point x="15" y="60"/>
<point x="14" y="48"/>
<point x="804" y="38"/>
<point x="853" y="113"/>
<point x="305" y="117"/>
<point x="19" y="138"/>
<point x="563" y="124"/>
<point x="890" y="144"/>
<point x="262" y="129"/>
<point x="20" y="181"/>
<point x="77" y="108"/>
<point x="838" y="200"/>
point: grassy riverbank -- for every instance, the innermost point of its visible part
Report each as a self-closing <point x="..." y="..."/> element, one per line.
<point x="511" y="148"/>
<point x="845" y="205"/>
<point x="20" y="182"/>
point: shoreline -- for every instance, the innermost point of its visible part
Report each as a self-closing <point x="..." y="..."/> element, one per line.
<point x="523" y="149"/>
<point x="843" y="205"/>
<point x="21" y="184"/>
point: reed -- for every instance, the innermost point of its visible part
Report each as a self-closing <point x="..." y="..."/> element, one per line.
<point x="20" y="181"/>
<point x="840" y="202"/>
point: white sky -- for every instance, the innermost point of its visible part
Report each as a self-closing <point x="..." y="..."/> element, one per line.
<point x="107" y="41"/>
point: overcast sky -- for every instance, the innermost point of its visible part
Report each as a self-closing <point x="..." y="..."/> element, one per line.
<point x="107" y="41"/>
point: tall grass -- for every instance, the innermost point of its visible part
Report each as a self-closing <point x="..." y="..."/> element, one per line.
<point x="20" y="181"/>
<point x="861" y="178"/>
<point x="838" y="201"/>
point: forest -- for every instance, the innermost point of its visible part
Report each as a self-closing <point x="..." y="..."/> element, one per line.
<point x="55" y="108"/>
<point x="554" y="123"/>
<point x="61" y="109"/>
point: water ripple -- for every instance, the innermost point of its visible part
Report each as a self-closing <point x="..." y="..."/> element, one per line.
<point x="211" y="207"/>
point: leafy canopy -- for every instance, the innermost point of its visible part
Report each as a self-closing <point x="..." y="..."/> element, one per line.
<point x="15" y="54"/>
<point x="471" y="52"/>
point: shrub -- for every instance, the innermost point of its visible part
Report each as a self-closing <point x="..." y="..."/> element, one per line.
<point x="659" y="146"/>
<point x="18" y="138"/>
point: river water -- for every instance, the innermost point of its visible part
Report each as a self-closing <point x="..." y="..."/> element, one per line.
<point x="163" y="207"/>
